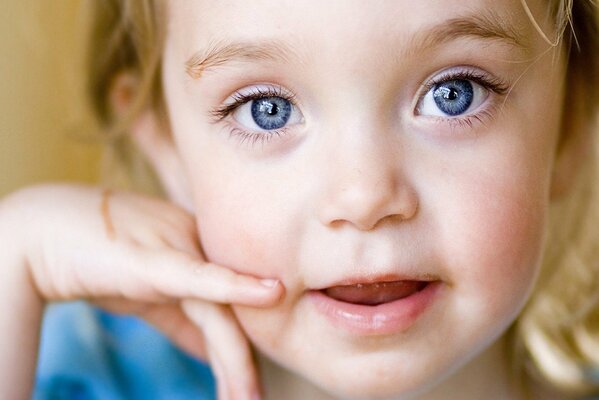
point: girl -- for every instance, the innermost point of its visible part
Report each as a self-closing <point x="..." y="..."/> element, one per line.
<point x="392" y="201"/>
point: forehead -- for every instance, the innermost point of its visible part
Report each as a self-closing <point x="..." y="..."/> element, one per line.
<point x="347" y="24"/>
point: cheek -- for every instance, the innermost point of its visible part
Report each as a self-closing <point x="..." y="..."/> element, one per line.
<point x="227" y="240"/>
<point x="493" y="239"/>
<point x="506" y="241"/>
<point x="245" y="224"/>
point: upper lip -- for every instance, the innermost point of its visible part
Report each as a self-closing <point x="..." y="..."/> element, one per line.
<point x="378" y="278"/>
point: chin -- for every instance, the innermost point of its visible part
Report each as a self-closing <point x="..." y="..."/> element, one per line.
<point x="374" y="384"/>
<point x="372" y="390"/>
<point x="364" y="377"/>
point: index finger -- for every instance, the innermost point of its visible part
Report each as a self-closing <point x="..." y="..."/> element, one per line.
<point x="172" y="274"/>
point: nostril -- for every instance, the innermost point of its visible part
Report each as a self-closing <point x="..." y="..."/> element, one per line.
<point x="365" y="209"/>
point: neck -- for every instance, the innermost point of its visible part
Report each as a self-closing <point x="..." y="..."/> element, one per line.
<point x="485" y="377"/>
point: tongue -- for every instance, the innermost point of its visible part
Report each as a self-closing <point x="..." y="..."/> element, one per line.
<point x="374" y="293"/>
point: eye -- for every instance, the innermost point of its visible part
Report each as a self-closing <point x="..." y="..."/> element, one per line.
<point x="452" y="98"/>
<point x="267" y="113"/>
<point x="258" y="114"/>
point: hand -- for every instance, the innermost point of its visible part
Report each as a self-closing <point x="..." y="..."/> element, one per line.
<point x="134" y="254"/>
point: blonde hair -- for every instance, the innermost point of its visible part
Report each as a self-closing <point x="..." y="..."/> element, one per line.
<point x="556" y="338"/>
<point x="124" y="36"/>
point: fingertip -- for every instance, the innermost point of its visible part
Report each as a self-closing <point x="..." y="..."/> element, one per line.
<point x="275" y="292"/>
<point x="269" y="283"/>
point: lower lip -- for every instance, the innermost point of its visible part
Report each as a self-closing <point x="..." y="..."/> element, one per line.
<point x="383" y="319"/>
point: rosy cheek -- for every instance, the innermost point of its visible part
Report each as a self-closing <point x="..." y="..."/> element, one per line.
<point x="229" y="247"/>
<point x="497" y="259"/>
<point x="240" y="235"/>
<point x="511" y="241"/>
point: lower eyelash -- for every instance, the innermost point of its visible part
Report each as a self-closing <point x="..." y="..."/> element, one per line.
<point x="468" y="122"/>
<point x="254" y="138"/>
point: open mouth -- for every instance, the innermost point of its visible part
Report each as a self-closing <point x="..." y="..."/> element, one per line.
<point x="372" y="294"/>
<point x="379" y="307"/>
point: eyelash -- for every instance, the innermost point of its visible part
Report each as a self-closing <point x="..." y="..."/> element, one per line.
<point x="492" y="84"/>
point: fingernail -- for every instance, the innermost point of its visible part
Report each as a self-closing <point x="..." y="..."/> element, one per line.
<point x="270" y="283"/>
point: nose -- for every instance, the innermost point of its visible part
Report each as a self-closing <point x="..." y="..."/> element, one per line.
<point x="366" y="184"/>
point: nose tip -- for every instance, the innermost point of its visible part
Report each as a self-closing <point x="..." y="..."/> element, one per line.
<point x="365" y="204"/>
<point x="365" y="177"/>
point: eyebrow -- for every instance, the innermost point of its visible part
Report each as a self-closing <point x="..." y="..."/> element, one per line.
<point x="220" y="53"/>
<point x="488" y="27"/>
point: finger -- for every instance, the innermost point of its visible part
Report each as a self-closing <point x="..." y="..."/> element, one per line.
<point x="166" y="218"/>
<point x="222" y="384"/>
<point x="182" y="242"/>
<point x="228" y="346"/>
<point x="161" y="235"/>
<point x="157" y="275"/>
<point x="173" y="274"/>
<point x="158" y="208"/>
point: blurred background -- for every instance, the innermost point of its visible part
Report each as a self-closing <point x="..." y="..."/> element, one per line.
<point x="45" y="130"/>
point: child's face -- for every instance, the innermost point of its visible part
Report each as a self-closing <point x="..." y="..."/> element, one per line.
<point x="379" y="141"/>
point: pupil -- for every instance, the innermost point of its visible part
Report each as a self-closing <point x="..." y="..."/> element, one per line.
<point x="452" y="94"/>
<point x="269" y="108"/>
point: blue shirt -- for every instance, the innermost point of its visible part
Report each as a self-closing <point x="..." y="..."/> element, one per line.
<point x="88" y="354"/>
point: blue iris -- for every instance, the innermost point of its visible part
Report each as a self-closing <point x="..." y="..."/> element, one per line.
<point x="453" y="97"/>
<point x="271" y="112"/>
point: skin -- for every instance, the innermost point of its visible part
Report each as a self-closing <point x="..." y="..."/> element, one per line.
<point x="364" y="184"/>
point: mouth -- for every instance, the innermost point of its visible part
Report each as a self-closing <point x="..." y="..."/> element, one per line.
<point x="372" y="294"/>
<point x="379" y="307"/>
